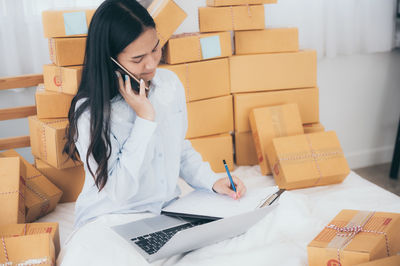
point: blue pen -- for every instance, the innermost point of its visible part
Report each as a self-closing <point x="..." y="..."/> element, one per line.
<point x="230" y="177"/>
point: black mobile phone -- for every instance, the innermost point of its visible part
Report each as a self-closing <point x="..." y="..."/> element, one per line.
<point x="135" y="83"/>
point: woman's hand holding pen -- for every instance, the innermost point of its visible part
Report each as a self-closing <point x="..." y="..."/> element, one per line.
<point x="223" y="186"/>
<point x="137" y="101"/>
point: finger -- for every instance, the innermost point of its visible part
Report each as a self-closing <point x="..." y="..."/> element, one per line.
<point x="120" y="81"/>
<point x="240" y="186"/>
<point x="227" y="190"/>
<point x="128" y="87"/>
<point x="142" y="90"/>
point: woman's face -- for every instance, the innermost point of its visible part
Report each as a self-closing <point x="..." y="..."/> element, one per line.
<point x="141" y="57"/>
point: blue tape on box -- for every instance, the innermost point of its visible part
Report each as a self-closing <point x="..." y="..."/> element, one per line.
<point x="75" y="23"/>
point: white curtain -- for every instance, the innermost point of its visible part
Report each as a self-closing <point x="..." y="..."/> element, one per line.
<point x="332" y="27"/>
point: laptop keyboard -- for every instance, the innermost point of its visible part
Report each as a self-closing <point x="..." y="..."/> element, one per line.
<point x="151" y="243"/>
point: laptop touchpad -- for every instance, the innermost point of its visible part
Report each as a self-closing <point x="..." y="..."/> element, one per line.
<point x="162" y="222"/>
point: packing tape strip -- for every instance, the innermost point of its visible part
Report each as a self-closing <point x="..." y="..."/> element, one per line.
<point x="42" y="195"/>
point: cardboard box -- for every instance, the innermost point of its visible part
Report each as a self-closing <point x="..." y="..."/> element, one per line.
<point x="307" y="160"/>
<point x="212" y="19"/>
<point x="13" y="230"/>
<point x="375" y="235"/>
<point x="67" y="51"/>
<point x="24" y="250"/>
<point x="245" y="151"/>
<point x="47" y="141"/>
<point x="69" y="180"/>
<point x="389" y="261"/>
<point x="41" y="196"/>
<point x="306" y="99"/>
<point x="12" y="191"/>
<point x="312" y="128"/>
<point x="51" y="104"/>
<point x="238" y="2"/>
<point x="62" y="79"/>
<point x="197" y="87"/>
<point x="214" y="149"/>
<point x="66" y="23"/>
<point x="271" y="122"/>
<point x="197" y="47"/>
<point x="276" y="71"/>
<point x="210" y="117"/>
<point x="275" y="40"/>
<point x="168" y="16"/>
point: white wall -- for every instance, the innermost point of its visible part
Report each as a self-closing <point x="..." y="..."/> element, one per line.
<point x="359" y="99"/>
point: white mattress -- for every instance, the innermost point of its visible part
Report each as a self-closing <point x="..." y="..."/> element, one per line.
<point x="300" y="216"/>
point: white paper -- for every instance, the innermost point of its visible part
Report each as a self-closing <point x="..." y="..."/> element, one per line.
<point x="207" y="203"/>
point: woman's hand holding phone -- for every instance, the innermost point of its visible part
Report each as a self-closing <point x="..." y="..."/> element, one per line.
<point x="137" y="101"/>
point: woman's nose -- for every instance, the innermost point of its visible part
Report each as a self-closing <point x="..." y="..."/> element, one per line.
<point x="151" y="62"/>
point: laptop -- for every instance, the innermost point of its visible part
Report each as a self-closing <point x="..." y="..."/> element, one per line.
<point x="163" y="236"/>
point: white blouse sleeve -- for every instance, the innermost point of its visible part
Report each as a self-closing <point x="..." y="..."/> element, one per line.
<point x="124" y="163"/>
<point x="193" y="169"/>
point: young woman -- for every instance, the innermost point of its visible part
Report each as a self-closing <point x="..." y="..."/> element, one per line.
<point x="131" y="143"/>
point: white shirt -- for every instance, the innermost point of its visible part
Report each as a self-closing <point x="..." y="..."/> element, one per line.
<point x="147" y="157"/>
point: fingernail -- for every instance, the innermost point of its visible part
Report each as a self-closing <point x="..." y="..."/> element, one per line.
<point x="126" y="77"/>
<point x="117" y="73"/>
<point x="141" y="81"/>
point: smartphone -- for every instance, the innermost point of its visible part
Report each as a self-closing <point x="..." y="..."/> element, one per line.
<point x="135" y="83"/>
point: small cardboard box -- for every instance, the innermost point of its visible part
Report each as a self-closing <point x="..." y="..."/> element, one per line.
<point x="41" y="196"/>
<point x="277" y="40"/>
<point x="12" y="190"/>
<point x="62" y="79"/>
<point x="214" y="149"/>
<point x="245" y="152"/>
<point x="51" y="104"/>
<point x="193" y="47"/>
<point x="13" y="230"/>
<point x="312" y="128"/>
<point x="66" y="23"/>
<point x="69" y="180"/>
<point x="28" y="250"/>
<point x="274" y="71"/>
<point x="168" y="16"/>
<point x="307" y="160"/>
<point x="210" y="117"/>
<point x="306" y="99"/>
<point x="239" y="2"/>
<point x="271" y="122"/>
<point x="212" y="19"/>
<point x="205" y="79"/>
<point x="389" y="261"/>
<point x="354" y="237"/>
<point x="48" y="139"/>
<point x="67" y="51"/>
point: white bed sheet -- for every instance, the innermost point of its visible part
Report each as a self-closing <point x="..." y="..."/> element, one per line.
<point x="280" y="238"/>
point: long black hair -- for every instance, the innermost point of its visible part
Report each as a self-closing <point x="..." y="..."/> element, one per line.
<point x="115" y="24"/>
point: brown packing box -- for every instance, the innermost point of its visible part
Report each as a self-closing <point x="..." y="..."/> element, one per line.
<point x="389" y="261"/>
<point x="12" y="190"/>
<point x="67" y="51"/>
<point x="196" y="86"/>
<point x="66" y="23"/>
<point x="210" y="117"/>
<point x="214" y="149"/>
<point x="306" y="99"/>
<point x="329" y="248"/>
<point x="239" y="2"/>
<point x="13" y="230"/>
<point x="62" y="79"/>
<point x="51" y="104"/>
<point x="168" y="16"/>
<point x="276" y="40"/>
<point x="41" y="196"/>
<point x="312" y="128"/>
<point x="270" y="122"/>
<point x="189" y="47"/>
<point x="212" y="19"/>
<point x="69" y="180"/>
<point x="307" y="160"/>
<point x="23" y="250"/>
<point x="245" y="152"/>
<point x="274" y="71"/>
<point x="48" y="139"/>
